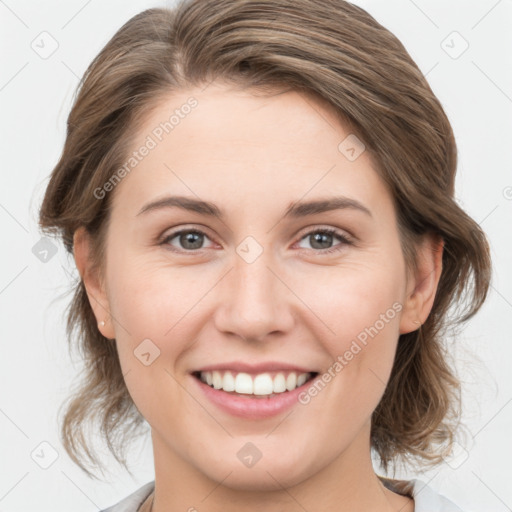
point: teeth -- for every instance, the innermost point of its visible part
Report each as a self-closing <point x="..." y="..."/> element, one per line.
<point x="243" y="384"/>
<point x="291" y="381"/>
<point x="301" y="379"/>
<point x="228" y="382"/>
<point x="279" y="383"/>
<point x="262" y="384"/>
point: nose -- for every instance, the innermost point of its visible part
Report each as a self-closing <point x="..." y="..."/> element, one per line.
<point x="254" y="301"/>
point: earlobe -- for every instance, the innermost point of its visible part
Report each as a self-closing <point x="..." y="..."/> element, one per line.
<point x="95" y="290"/>
<point x="423" y="283"/>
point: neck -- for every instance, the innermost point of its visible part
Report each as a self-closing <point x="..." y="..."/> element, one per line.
<point x="347" y="484"/>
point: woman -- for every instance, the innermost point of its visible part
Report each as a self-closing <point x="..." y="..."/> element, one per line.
<point x="259" y="200"/>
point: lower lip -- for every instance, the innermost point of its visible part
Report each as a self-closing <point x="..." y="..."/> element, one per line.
<point x="247" y="406"/>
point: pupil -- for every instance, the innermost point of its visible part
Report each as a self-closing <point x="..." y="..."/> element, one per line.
<point x="320" y="238"/>
<point x="189" y="238"/>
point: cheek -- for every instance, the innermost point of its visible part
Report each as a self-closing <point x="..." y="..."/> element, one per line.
<point x="360" y="306"/>
<point x="352" y="298"/>
<point x="150" y="297"/>
<point x="148" y="306"/>
<point x="361" y="355"/>
<point x="156" y="308"/>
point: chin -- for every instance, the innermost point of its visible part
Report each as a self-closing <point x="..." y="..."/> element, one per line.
<point x="264" y="479"/>
<point x="270" y="473"/>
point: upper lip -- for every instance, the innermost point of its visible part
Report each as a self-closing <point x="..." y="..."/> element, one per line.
<point x="267" y="366"/>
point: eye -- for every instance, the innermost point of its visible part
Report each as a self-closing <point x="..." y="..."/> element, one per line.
<point x="191" y="240"/>
<point x="188" y="239"/>
<point x="323" y="238"/>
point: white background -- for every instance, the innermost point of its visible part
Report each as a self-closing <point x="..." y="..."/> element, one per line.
<point x="36" y="371"/>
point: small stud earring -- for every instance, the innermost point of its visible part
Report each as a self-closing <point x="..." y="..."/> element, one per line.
<point x="102" y="323"/>
<point x="417" y="322"/>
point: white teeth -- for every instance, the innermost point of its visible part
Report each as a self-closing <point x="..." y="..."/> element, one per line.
<point x="301" y="379"/>
<point x="217" y="380"/>
<point x="243" y="384"/>
<point x="228" y="382"/>
<point x="262" y="384"/>
<point x="291" y="381"/>
<point x="279" y="383"/>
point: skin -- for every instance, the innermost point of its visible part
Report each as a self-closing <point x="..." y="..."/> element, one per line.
<point x="254" y="156"/>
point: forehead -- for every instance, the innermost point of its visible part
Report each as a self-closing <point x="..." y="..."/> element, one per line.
<point x="239" y="146"/>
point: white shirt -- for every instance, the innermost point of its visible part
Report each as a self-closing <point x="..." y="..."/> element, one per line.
<point x="425" y="498"/>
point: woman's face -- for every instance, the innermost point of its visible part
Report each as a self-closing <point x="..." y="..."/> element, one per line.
<point x="252" y="288"/>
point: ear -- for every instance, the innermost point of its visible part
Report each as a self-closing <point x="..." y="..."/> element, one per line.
<point x="94" y="287"/>
<point x="422" y="283"/>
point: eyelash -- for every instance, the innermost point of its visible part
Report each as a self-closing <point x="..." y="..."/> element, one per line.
<point x="341" y="237"/>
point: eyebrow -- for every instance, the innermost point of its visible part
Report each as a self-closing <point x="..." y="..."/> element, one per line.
<point x="295" y="210"/>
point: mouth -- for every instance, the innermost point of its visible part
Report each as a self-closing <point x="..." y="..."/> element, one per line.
<point x="269" y="384"/>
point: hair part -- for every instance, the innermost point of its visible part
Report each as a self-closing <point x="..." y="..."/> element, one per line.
<point x="340" y="54"/>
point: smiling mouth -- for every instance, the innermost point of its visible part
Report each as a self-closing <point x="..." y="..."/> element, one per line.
<point x="261" y="385"/>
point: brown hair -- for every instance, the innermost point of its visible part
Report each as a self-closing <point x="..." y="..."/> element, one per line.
<point x="342" y="55"/>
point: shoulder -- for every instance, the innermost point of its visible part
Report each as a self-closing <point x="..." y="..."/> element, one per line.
<point x="132" y="502"/>
<point x="428" y="500"/>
